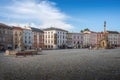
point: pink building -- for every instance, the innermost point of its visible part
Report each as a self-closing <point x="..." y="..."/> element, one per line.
<point x="89" y="39"/>
<point x="93" y="38"/>
<point x="75" y="40"/>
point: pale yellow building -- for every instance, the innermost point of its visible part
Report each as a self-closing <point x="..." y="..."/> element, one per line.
<point x="17" y="38"/>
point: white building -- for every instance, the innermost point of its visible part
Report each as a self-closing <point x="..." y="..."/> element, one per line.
<point x="55" y="38"/>
<point x="119" y="40"/>
<point x="75" y="40"/>
<point x="113" y="38"/>
<point x="27" y="37"/>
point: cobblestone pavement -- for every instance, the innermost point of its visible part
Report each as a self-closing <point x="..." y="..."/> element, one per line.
<point x="68" y="64"/>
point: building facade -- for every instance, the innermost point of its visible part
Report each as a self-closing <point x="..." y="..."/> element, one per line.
<point x="38" y="38"/>
<point x="27" y="38"/>
<point x="17" y="38"/>
<point x="113" y="38"/>
<point x="69" y="40"/>
<point x="99" y="38"/>
<point x="75" y="40"/>
<point x="119" y="40"/>
<point x="89" y="39"/>
<point x="55" y="38"/>
<point x="6" y="37"/>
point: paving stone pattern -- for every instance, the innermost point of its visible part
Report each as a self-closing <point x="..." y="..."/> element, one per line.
<point x="68" y="64"/>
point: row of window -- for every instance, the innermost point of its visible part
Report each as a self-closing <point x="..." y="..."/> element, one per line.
<point x="48" y="32"/>
<point x="27" y="37"/>
<point x="48" y="36"/>
<point x="18" y="39"/>
<point x="37" y="33"/>
<point x="78" y="37"/>
<point x="5" y="32"/>
<point x="49" y="46"/>
<point x="113" y="38"/>
<point x="52" y="41"/>
<point x="115" y="35"/>
<point x="113" y="42"/>
<point x="77" y="42"/>
<point x="57" y="32"/>
<point x="5" y="39"/>
<point x="29" y="42"/>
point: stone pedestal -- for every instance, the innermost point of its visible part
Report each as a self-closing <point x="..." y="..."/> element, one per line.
<point x="7" y="52"/>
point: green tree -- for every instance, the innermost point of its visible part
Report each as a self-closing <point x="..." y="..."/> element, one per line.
<point x="81" y="31"/>
<point x="86" y="29"/>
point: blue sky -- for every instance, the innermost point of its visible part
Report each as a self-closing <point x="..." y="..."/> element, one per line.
<point x="72" y="15"/>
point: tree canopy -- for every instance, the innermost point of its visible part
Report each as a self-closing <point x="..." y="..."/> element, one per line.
<point x="86" y="29"/>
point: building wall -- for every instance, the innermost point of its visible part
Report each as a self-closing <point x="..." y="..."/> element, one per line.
<point x="113" y="39"/>
<point x="49" y="37"/>
<point x="93" y="39"/>
<point x="99" y="37"/>
<point x="38" y="39"/>
<point x="119" y="40"/>
<point x="75" y="40"/>
<point x="90" y="39"/>
<point x="17" y="38"/>
<point x="61" y="38"/>
<point x="6" y="36"/>
<point x="35" y="45"/>
<point x="54" y="38"/>
<point x="86" y="40"/>
<point x="41" y="40"/>
<point x="27" y="38"/>
<point x="69" y="40"/>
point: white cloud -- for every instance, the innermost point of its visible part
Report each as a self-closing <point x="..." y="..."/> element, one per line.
<point x="44" y="12"/>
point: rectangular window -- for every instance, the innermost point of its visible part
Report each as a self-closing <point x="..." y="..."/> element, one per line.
<point x="0" y="31"/>
<point x="29" y="42"/>
<point x="48" y="36"/>
<point x="48" y="41"/>
<point x="51" y="41"/>
<point x="51" y="36"/>
<point x="74" y="37"/>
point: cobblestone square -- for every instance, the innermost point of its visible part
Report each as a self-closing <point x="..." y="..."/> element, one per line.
<point x="66" y="64"/>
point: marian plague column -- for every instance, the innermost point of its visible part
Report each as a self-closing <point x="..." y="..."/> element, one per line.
<point x="104" y="41"/>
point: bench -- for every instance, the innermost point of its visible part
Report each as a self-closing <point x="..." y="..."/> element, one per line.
<point x="29" y="52"/>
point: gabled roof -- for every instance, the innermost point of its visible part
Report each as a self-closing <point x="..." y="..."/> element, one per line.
<point x="4" y="26"/>
<point x="18" y="28"/>
<point x="88" y="32"/>
<point x="115" y="32"/>
<point x="36" y="29"/>
<point x="74" y="33"/>
<point x="53" y="28"/>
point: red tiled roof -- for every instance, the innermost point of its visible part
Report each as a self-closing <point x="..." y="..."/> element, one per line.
<point x="18" y="28"/>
